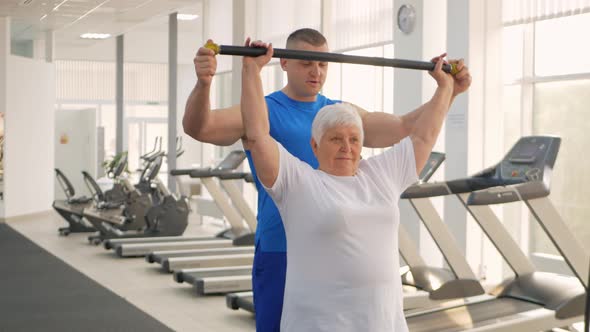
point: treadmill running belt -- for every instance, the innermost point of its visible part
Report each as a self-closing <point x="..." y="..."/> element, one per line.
<point x="39" y="292"/>
<point x="464" y="317"/>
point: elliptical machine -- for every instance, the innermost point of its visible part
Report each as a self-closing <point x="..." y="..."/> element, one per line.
<point x="109" y="215"/>
<point x="149" y="210"/>
<point x="71" y="209"/>
<point x="169" y="217"/>
<point x="118" y="193"/>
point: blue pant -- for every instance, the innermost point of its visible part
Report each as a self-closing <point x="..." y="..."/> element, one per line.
<point x="268" y="284"/>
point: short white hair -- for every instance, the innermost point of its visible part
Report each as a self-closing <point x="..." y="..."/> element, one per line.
<point x="335" y="115"/>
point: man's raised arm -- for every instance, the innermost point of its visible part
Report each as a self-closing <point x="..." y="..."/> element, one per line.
<point x="384" y="130"/>
<point x="221" y="126"/>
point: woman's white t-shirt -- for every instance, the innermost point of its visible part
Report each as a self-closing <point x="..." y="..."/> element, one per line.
<point x="342" y="243"/>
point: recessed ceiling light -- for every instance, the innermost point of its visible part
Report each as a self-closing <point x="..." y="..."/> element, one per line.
<point x="186" y="17"/>
<point x="95" y="35"/>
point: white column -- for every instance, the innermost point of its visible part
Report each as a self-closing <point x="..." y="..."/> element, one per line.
<point x="38" y="49"/>
<point x="434" y="41"/>
<point x="412" y="88"/>
<point x="457" y="139"/>
<point x="326" y="19"/>
<point x="4" y="54"/>
<point x="172" y="91"/>
<point x="238" y="37"/>
<point x="407" y="91"/>
<point x="49" y="46"/>
<point x="119" y="94"/>
<point x="244" y="25"/>
<point x="474" y="130"/>
<point x="486" y="119"/>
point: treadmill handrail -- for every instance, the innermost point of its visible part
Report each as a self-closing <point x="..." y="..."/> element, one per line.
<point x="228" y="165"/>
<point x="201" y="173"/>
<point x="185" y="171"/>
<point x="232" y="161"/>
<point x="458" y="186"/>
<point x="233" y="175"/>
<point x="510" y="193"/>
<point x="426" y="190"/>
<point x="434" y="161"/>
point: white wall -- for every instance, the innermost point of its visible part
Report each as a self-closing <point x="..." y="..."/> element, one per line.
<point x="434" y="41"/>
<point x="192" y="148"/>
<point x="29" y="128"/>
<point x="486" y="146"/>
<point x="78" y="151"/>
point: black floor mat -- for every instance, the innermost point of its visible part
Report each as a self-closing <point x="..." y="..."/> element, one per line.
<point x="39" y="292"/>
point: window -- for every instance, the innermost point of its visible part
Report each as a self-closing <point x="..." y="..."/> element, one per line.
<point x="555" y="52"/>
<point x="143" y="125"/>
<point x="369" y="87"/>
<point x="561" y="109"/>
<point x="91" y="84"/>
<point x="546" y="82"/>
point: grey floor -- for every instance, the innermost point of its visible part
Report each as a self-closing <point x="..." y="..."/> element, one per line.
<point x="142" y="284"/>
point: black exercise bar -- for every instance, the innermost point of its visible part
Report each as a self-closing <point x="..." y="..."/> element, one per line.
<point x="328" y="57"/>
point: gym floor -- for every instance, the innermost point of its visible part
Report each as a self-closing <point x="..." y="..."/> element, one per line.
<point x="142" y="284"/>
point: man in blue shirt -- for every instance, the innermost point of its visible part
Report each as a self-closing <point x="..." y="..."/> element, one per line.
<point x="291" y="111"/>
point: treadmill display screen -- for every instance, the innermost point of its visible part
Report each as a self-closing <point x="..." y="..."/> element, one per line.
<point x="525" y="153"/>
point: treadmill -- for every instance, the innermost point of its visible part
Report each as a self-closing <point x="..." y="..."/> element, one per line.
<point x="532" y="300"/>
<point x="239" y="234"/>
<point x="427" y="286"/>
<point x="230" y="271"/>
<point x="424" y="286"/>
<point x="175" y="260"/>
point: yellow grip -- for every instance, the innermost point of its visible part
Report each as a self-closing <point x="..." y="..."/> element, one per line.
<point x="454" y="69"/>
<point x="212" y="46"/>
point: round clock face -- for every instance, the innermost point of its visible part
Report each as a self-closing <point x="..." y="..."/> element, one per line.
<point x="406" y="18"/>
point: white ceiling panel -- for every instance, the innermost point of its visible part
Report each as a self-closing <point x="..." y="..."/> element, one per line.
<point x="146" y="19"/>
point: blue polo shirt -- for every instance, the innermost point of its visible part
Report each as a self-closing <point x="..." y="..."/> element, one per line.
<point x="290" y="125"/>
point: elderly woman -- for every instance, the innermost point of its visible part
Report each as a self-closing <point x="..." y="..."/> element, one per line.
<point x="341" y="220"/>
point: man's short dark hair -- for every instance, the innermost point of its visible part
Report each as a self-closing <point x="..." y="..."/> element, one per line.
<point x="306" y="35"/>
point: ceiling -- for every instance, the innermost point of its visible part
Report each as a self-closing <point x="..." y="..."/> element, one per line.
<point x="146" y="19"/>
